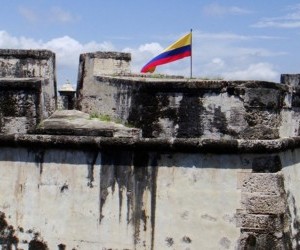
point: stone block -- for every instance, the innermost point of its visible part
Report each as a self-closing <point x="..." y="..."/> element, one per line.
<point x="263" y="97"/>
<point x="265" y="222"/>
<point x="254" y="239"/>
<point x="263" y="204"/>
<point x="266" y="183"/>
<point x="290" y="79"/>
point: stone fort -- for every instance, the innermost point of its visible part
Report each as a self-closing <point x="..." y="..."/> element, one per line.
<point x="129" y="161"/>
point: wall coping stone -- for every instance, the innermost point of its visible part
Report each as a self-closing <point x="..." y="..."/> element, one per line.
<point x="169" y="84"/>
<point x="107" y="55"/>
<point x="23" y="53"/>
<point x="20" y="83"/>
<point x="189" y="145"/>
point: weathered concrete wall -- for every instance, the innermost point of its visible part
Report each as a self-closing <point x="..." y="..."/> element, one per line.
<point x="32" y="64"/>
<point x="216" y="169"/>
<point x="146" y="194"/>
<point x="117" y="201"/>
<point x="186" y="108"/>
<point x="95" y="64"/>
<point x="20" y="105"/>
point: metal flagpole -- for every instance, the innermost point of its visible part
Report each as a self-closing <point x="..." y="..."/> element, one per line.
<point x="191" y="54"/>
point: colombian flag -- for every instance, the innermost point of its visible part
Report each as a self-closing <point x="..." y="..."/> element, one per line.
<point x="178" y="50"/>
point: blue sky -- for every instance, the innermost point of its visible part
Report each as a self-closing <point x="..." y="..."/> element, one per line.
<point x="256" y="39"/>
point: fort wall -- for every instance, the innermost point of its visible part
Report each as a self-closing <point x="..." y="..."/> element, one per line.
<point x="185" y="108"/>
<point x="30" y="66"/>
<point x="141" y="194"/>
<point x="181" y="163"/>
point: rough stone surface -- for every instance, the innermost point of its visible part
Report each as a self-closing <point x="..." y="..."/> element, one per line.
<point x="266" y="223"/>
<point x="24" y="70"/>
<point x="73" y="122"/>
<point x="184" y="108"/>
<point x="263" y="204"/>
<point x="20" y="105"/>
<point x="271" y="184"/>
<point x="117" y="199"/>
<point x="218" y="159"/>
<point x="290" y="79"/>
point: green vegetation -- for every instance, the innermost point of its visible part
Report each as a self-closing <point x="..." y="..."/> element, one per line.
<point x="101" y="117"/>
<point x="107" y="118"/>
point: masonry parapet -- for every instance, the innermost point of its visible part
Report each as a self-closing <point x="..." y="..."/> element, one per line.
<point x="21" y="65"/>
<point x="186" y="108"/>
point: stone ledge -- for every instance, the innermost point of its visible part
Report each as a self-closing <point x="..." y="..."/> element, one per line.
<point x="22" y="53"/>
<point x="107" y="55"/>
<point x="164" y="84"/>
<point x="20" y="83"/>
<point x="190" y="145"/>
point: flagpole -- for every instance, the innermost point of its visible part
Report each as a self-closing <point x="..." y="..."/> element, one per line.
<point x="191" y="54"/>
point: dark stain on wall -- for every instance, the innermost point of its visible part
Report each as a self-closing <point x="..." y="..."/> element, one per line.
<point x="189" y="120"/>
<point x="147" y="108"/>
<point x="135" y="173"/>
<point x="219" y="121"/>
<point x="37" y="243"/>
<point x="61" y="246"/>
<point x="186" y="239"/>
<point x="91" y="161"/>
<point x="116" y="168"/>
<point x="144" y="114"/>
<point x="64" y="187"/>
<point x="169" y="241"/>
<point x="8" y="105"/>
<point x="266" y="164"/>
<point x="39" y="159"/>
<point x="8" y="239"/>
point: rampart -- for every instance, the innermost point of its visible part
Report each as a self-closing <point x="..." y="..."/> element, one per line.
<point x="27" y="89"/>
<point x="199" y="165"/>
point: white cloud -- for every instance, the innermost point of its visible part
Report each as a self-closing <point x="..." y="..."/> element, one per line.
<point x="143" y="54"/>
<point x="276" y="24"/>
<point x="216" y="9"/>
<point x="288" y="21"/>
<point x="211" y="57"/>
<point x="28" y="14"/>
<point x="55" y="14"/>
<point x="60" y="15"/>
<point x="258" y="71"/>
<point x="216" y="55"/>
<point x="217" y="62"/>
<point x="66" y="48"/>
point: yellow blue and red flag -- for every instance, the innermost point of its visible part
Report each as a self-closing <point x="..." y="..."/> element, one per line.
<point x="180" y="49"/>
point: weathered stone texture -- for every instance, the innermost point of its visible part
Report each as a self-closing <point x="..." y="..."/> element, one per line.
<point x="185" y="108"/>
<point x="32" y="64"/>
<point x="20" y="105"/>
<point x="263" y="204"/>
<point x="27" y="89"/>
<point x="290" y="79"/>
<point x="74" y="122"/>
<point x="269" y="184"/>
<point x="118" y="199"/>
<point x="262" y="218"/>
